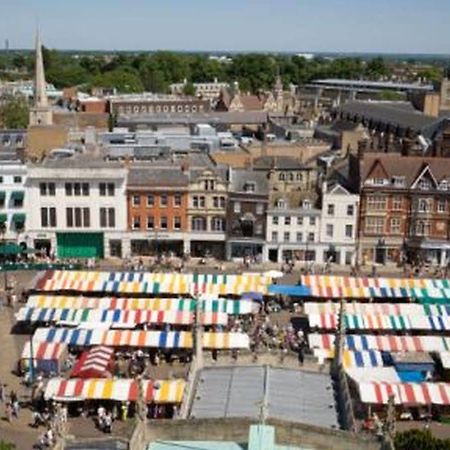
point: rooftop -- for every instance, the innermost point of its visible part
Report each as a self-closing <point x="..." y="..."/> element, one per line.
<point x="239" y="392"/>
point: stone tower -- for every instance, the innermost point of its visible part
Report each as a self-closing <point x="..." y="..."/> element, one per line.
<point x="278" y="93"/>
<point x="40" y="112"/>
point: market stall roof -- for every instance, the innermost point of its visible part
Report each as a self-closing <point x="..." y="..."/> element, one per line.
<point x="94" y="363"/>
<point x="405" y="393"/>
<point x="43" y="350"/>
<point x="76" y="389"/>
<point x="371" y="374"/>
<point x="366" y="358"/>
<point x="138" y="338"/>
<point x="289" y="289"/>
<point x="445" y="359"/>
<point x="154" y="304"/>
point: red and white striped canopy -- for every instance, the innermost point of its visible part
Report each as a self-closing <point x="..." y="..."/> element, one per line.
<point x="405" y="393"/>
<point x="95" y="363"/>
<point x="44" y="350"/>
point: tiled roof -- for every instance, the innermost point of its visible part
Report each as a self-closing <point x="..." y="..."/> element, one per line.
<point x="152" y="176"/>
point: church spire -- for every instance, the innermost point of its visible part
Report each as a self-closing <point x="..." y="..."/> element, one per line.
<point x="40" y="94"/>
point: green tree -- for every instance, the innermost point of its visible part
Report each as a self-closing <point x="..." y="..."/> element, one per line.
<point x="377" y="68"/>
<point x="189" y="89"/>
<point x="14" y="112"/>
<point x="420" y="440"/>
<point x="122" y="80"/>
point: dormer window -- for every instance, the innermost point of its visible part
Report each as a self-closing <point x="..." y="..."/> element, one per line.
<point x="281" y="203"/>
<point x="424" y="184"/>
<point x="209" y="185"/>
<point x="250" y="186"/>
<point x="443" y="185"/>
<point x="306" y="204"/>
<point x="398" y="181"/>
<point x="379" y="181"/>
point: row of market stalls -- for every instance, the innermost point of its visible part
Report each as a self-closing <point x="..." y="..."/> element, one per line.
<point x="397" y="341"/>
<point x="98" y="314"/>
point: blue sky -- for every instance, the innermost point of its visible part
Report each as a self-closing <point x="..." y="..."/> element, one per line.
<point x="397" y="26"/>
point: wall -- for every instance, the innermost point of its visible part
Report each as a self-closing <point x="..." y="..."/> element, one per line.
<point x="237" y="430"/>
<point x="81" y="120"/>
<point x="42" y="139"/>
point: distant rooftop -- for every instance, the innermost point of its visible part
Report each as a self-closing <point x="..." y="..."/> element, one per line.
<point x="384" y="85"/>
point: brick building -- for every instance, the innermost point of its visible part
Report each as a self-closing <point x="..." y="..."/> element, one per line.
<point x="157" y="200"/>
<point x="404" y="209"/>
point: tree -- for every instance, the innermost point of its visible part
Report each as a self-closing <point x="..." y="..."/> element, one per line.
<point x="420" y="440"/>
<point x="189" y="89"/>
<point x="14" y="112"/>
<point x="122" y="80"/>
<point x="377" y="68"/>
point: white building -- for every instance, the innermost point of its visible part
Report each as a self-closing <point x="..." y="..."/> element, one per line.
<point x="207" y="90"/>
<point x="339" y="224"/>
<point x="76" y="207"/>
<point x="293" y="233"/>
<point x="13" y="219"/>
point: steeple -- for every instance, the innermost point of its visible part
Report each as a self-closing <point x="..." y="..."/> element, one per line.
<point x="40" y="93"/>
<point x="41" y="112"/>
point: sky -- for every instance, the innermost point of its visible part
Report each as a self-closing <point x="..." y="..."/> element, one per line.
<point x="386" y="26"/>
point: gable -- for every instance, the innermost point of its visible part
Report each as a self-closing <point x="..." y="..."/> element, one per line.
<point x="425" y="175"/>
<point x="339" y="190"/>
<point x="377" y="171"/>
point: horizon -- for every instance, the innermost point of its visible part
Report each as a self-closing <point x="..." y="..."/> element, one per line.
<point x="232" y="26"/>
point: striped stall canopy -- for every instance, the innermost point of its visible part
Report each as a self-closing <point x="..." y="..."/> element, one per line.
<point x="94" y="363"/>
<point x="160" y="391"/>
<point x="129" y="318"/>
<point x="405" y="393"/>
<point x="389" y="309"/>
<point x="43" y="350"/>
<point x="153" y="283"/>
<point x="237" y="307"/>
<point x="327" y="286"/>
<point x="381" y="322"/>
<point x="134" y="338"/>
<point x="367" y="358"/>
<point x="383" y="343"/>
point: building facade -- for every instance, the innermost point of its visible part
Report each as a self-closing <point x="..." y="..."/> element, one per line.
<point x="248" y="198"/>
<point x="79" y="212"/>
<point x="207" y="208"/>
<point x="404" y="212"/>
<point x="157" y="200"/>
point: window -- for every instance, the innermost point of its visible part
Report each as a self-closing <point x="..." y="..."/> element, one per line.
<point x="216" y="202"/>
<point x="1" y="180"/>
<point x="150" y="200"/>
<point x="306" y="204"/>
<point x="150" y="222"/>
<point x="349" y="231"/>
<point x="443" y="185"/>
<point x="260" y="208"/>
<point x="395" y="225"/>
<point x="163" y="200"/>
<point x="299" y="220"/>
<point x="376" y="203"/>
<point x="18" y="202"/>
<point x="312" y="221"/>
<point x="47" y="189"/>
<point x="136" y="200"/>
<point x="85" y="189"/>
<point x="299" y="237"/>
<point x="350" y="210"/>
<point x="198" y="224"/>
<point x="48" y="217"/>
<point x="274" y="236"/>
<point x="397" y="203"/>
<point x="86" y="218"/>
<point x="195" y="201"/>
<point x="281" y="177"/>
<point x="163" y="223"/>
<point x="78" y="217"/>
<point x="330" y="209"/>
<point x="250" y="187"/>
<point x="222" y="202"/>
<point x="77" y="189"/>
<point x="329" y="230"/>
<point x="136" y="223"/>
<point x="107" y="218"/>
<point x="287" y="220"/>
<point x="218" y="224"/>
<point x="69" y="217"/>
<point x="177" y="200"/>
<point x="237" y="207"/>
<point x="398" y="181"/>
<point x="287" y="236"/>
<point x="17" y="179"/>
<point x="311" y="237"/>
<point x="424" y="184"/>
<point x="68" y="189"/>
<point x="374" y="225"/>
<point x="281" y="203"/>
<point x="106" y="189"/>
<point x="441" y="206"/>
<point x="275" y="220"/>
<point x="422" y="228"/>
<point x="424" y="205"/>
<point x="209" y="185"/>
<point x="201" y="201"/>
<point x="177" y="223"/>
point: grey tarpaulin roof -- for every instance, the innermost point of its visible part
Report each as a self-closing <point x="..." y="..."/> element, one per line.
<point x="291" y="395"/>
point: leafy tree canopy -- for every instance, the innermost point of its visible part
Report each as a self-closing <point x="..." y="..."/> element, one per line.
<point x="14" y="112"/>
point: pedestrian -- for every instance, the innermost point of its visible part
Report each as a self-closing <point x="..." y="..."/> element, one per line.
<point x="16" y="408"/>
<point x="2" y="393"/>
<point x="8" y="412"/>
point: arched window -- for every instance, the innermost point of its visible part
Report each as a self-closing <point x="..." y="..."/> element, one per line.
<point x="281" y="203"/>
<point x="281" y="177"/>
<point x="218" y="224"/>
<point x="198" y="223"/>
<point x="291" y="177"/>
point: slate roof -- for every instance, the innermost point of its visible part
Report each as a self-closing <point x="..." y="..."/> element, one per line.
<point x="240" y="177"/>
<point x="408" y="166"/>
<point x="154" y="176"/>
<point x="279" y="162"/>
<point x="390" y="113"/>
<point x="292" y="395"/>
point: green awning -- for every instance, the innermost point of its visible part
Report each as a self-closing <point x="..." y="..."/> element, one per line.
<point x="2" y="195"/>
<point x="19" y="218"/>
<point x="3" y="217"/>
<point x="10" y="248"/>
<point x="17" y="195"/>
